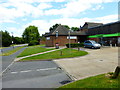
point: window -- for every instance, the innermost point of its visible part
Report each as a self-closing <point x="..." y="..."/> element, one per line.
<point x="72" y="37"/>
<point x="47" y="38"/>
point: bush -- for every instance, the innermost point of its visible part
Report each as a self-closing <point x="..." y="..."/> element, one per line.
<point x="73" y="45"/>
<point x="33" y="42"/>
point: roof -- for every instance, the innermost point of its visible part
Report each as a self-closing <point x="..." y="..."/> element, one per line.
<point x="91" y="24"/>
<point x="62" y="30"/>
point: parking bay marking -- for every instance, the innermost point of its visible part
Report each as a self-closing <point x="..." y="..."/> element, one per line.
<point x="35" y="70"/>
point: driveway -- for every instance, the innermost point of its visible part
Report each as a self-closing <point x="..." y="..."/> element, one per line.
<point x="98" y="61"/>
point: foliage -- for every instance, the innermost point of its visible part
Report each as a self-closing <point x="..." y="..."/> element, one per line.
<point x="75" y="28"/>
<point x="33" y="50"/>
<point x="30" y="33"/>
<point x="18" y="40"/>
<point x="53" y="27"/>
<point x="66" y="26"/>
<point x="73" y="45"/>
<point x="6" y="39"/>
<point x="33" y="42"/>
<point x="66" y="53"/>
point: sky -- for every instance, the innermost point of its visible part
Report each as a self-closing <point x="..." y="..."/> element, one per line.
<point x="16" y="15"/>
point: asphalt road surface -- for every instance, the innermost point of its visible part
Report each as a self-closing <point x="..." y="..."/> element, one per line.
<point x="10" y="48"/>
<point x="7" y="60"/>
<point x="35" y="74"/>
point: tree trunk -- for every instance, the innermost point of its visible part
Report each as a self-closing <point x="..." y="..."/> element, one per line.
<point x="116" y="73"/>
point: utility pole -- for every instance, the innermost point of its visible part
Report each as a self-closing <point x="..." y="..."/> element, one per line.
<point x="12" y="39"/>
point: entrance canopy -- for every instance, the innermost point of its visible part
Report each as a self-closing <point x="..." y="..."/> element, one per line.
<point x="104" y="35"/>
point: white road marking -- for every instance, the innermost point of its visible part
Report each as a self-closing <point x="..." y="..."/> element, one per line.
<point x="6" y="68"/>
<point x="35" y="70"/>
<point x="26" y="71"/>
<point x="14" y="72"/>
<point x="46" y="69"/>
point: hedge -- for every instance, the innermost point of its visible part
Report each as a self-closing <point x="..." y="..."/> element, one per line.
<point x="73" y="45"/>
<point x="33" y="42"/>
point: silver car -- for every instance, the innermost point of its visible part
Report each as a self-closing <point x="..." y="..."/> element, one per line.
<point x="91" y="44"/>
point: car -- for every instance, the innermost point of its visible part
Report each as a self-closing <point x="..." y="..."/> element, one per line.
<point x="91" y="44"/>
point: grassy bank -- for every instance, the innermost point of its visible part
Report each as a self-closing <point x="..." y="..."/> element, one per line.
<point x="33" y="50"/>
<point x="64" y="53"/>
<point x="99" y="81"/>
<point x="11" y="51"/>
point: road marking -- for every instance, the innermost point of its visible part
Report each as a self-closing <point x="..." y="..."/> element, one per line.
<point x="14" y="72"/>
<point x="26" y="71"/>
<point x="35" y="70"/>
<point x="6" y="68"/>
<point x="46" y="69"/>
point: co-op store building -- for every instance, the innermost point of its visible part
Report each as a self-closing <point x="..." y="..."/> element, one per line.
<point x="103" y="33"/>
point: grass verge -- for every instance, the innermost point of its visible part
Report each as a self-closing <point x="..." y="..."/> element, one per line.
<point x="66" y="53"/>
<point x="33" y="50"/>
<point x="11" y="51"/>
<point x="99" y="81"/>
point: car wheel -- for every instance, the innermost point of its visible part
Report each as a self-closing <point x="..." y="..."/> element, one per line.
<point x="92" y="47"/>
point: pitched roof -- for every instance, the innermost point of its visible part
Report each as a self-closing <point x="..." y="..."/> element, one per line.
<point x="91" y="24"/>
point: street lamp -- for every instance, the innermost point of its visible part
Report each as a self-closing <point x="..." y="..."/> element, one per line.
<point x="69" y="38"/>
<point x="12" y="39"/>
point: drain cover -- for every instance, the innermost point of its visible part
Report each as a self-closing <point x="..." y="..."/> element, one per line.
<point x="101" y="60"/>
<point x="65" y="81"/>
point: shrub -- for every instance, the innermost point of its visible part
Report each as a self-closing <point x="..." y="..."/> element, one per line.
<point x="33" y="42"/>
<point x="73" y="45"/>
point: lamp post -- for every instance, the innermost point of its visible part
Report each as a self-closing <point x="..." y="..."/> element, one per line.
<point x="12" y="39"/>
<point x="69" y="39"/>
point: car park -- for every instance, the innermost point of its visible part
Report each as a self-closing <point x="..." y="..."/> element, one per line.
<point x="91" y="44"/>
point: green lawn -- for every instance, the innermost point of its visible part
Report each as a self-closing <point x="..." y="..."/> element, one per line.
<point x="11" y="51"/>
<point x="66" y="53"/>
<point x="99" y="81"/>
<point x="33" y="50"/>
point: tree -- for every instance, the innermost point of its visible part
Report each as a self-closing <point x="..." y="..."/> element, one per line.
<point x="31" y="33"/>
<point x="6" y="39"/>
<point x="75" y="28"/>
<point x="66" y="26"/>
<point x="54" y="27"/>
<point x="18" y="40"/>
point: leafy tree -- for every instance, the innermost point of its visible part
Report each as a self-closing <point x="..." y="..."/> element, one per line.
<point x="31" y="33"/>
<point x="6" y="39"/>
<point x="18" y="40"/>
<point x="66" y="26"/>
<point x="75" y="28"/>
<point x="54" y="27"/>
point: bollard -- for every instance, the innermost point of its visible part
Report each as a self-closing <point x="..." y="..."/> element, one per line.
<point x="60" y="53"/>
<point x="78" y="48"/>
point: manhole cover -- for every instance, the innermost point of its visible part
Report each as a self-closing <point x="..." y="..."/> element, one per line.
<point x="101" y="60"/>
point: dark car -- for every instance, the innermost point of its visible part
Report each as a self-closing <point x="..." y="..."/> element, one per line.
<point x="91" y="44"/>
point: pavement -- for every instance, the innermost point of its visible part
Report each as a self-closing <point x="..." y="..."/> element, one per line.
<point x="98" y="61"/>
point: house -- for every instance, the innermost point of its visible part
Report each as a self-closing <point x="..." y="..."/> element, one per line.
<point x="61" y="36"/>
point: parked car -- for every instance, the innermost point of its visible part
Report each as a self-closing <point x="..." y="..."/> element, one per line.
<point x="91" y="44"/>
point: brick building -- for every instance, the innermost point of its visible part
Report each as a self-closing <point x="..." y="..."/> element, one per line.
<point x="61" y="36"/>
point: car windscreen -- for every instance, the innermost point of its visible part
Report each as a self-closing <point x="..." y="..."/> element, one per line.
<point x="93" y="42"/>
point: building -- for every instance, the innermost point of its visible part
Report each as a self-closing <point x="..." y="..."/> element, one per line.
<point x="61" y="36"/>
<point x="102" y="33"/>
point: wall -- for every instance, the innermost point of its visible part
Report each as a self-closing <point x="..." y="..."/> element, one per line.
<point x="61" y="40"/>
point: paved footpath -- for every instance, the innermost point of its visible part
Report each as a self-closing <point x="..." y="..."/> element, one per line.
<point x="98" y="61"/>
<point x="17" y="59"/>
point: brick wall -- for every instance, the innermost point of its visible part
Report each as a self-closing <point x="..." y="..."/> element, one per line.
<point x="61" y="40"/>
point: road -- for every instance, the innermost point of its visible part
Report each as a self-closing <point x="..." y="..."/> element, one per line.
<point x="10" y="48"/>
<point x="7" y="60"/>
<point x="35" y="74"/>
